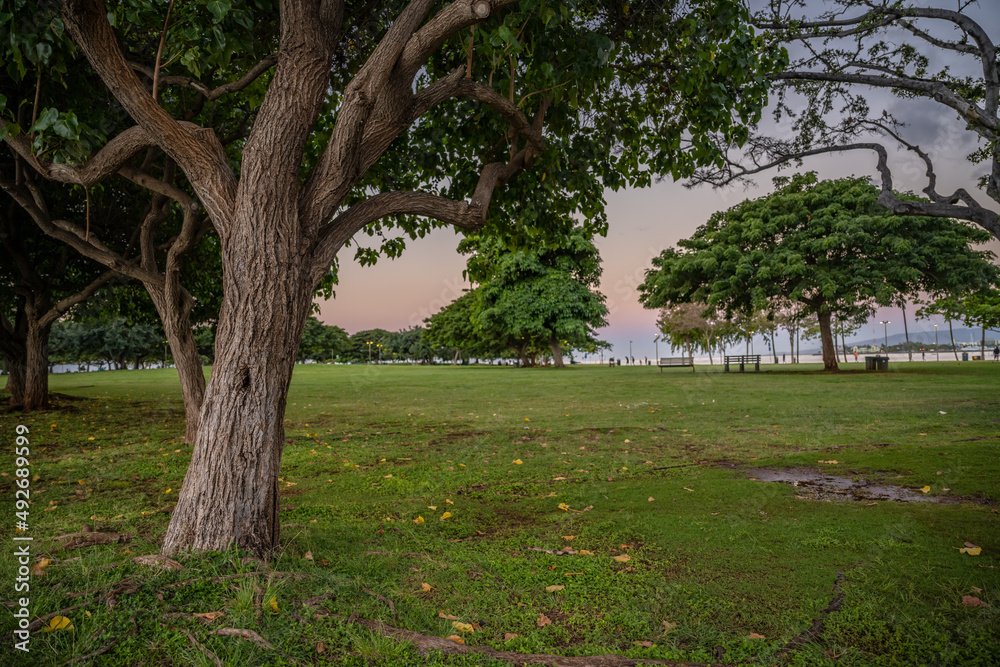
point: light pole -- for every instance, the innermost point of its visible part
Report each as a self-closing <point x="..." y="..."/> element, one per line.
<point x="885" y="332"/>
<point x="379" y="346"/>
<point x="937" y="351"/>
<point x="749" y="340"/>
<point x="369" y="343"/>
<point x="630" y="352"/>
<point x="656" y="342"/>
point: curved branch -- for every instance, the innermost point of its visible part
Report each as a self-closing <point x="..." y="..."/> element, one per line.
<point x="198" y="153"/>
<point x="939" y="207"/>
<point x="212" y="94"/>
<point x="63" y="306"/>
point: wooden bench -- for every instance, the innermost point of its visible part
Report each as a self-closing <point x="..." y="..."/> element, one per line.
<point x="742" y="359"/>
<point x="671" y="362"/>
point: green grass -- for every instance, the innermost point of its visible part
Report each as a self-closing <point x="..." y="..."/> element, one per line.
<point x="659" y="459"/>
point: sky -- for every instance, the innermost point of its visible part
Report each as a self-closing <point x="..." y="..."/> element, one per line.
<point x="397" y="294"/>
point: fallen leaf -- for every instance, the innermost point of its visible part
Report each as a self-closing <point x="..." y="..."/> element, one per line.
<point x="58" y="623"/>
<point x="446" y="515"/>
<point x="553" y="589"/>
<point x="308" y="555"/>
<point x="448" y="501"/>
<point x="447" y="617"/>
<point x="668" y="626"/>
<point x="584" y="552"/>
<point x="38" y="569"/>
<point x="569" y="537"/>
<point x="425" y="587"/>
<point x="456" y="639"/>
<point x="925" y="489"/>
<point x="564" y="507"/>
<point x="432" y="507"/>
<point x="517" y="462"/>
<point x="507" y="636"/>
<point x="210" y="615"/>
<point x="977" y="590"/>
<point x="273" y="604"/>
<point x="967" y="600"/>
<point x="754" y="635"/>
<point x="624" y="558"/>
<point x="419" y="519"/>
<point x="651" y="499"/>
<point x="687" y="489"/>
<point x="463" y="627"/>
<point x="320" y="647"/>
<point x="972" y="551"/>
<point x="543" y="620"/>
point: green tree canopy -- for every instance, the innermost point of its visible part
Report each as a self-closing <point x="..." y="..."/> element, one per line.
<point x="825" y="244"/>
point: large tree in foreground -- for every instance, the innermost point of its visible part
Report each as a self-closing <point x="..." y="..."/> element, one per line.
<point x="935" y="53"/>
<point x="827" y="245"/>
<point x="361" y="114"/>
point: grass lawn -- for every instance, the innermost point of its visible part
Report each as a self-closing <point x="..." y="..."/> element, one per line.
<point x="426" y="497"/>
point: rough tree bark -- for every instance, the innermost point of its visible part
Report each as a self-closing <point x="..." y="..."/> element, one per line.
<point x="557" y="359"/>
<point x="826" y="336"/>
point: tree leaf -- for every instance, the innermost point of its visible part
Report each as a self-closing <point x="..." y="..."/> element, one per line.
<point x="623" y="558"/>
<point x="58" y="623"/>
<point x="973" y="601"/>
<point x="456" y="639"/>
<point x="543" y="620"/>
<point x="463" y="627"/>
<point x="425" y="587"/>
<point x="553" y="589"/>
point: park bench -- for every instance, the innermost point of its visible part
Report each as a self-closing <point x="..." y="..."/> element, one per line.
<point x="670" y="362"/>
<point x="742" y="359"/>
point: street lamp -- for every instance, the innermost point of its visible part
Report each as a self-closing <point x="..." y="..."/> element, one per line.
<point x="630" y="352"/>
<point x="379" y="346"/>
<point x="369" y="343"/>
<point x="885" y="332"/>
<point x="937" y="351"/>
<point x="749" y="340"/>
<point x="656" y="341"/>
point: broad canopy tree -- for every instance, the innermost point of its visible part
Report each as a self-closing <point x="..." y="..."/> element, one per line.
<point x="827" y="245"/>
<point x="367" y="115"/>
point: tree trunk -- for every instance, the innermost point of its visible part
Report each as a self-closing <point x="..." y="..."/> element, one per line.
<point x="798" y="346"/>
<point x="774" y="348"/>
<point x="230" y="493"/>
<point x="791" y="343"/>
<point x="557" y="359"/>
<point x="906" y="332"/>
<point x="843" y="345"/>
<point x="829" y="346"/>
<point x="15" y="361"/>
<point x="951" y="333"/>
<point x="36" y="374"/>
<point x="982" y="345"/>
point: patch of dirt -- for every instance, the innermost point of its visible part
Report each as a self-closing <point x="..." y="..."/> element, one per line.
<point x="815" y="485"/>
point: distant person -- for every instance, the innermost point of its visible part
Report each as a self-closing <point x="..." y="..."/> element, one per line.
<point x="855" y="355"/>
<point x="923" y="356"/>
<point x="996" y="352"/>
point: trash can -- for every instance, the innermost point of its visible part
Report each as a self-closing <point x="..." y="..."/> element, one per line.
<point x="965" y="356"/>
<point x="619" y="361"/>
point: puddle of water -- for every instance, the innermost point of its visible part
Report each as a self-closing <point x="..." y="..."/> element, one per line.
<point x="814" y="485"/>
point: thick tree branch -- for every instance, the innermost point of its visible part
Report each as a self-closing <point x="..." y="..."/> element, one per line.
<point x="197" y="152"/>
<point x="62" y="306"/>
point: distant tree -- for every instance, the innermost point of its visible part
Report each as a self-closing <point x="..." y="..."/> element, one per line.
<point x="686" y="325"/>
<point x="981" y="308"/>
<point x="827" y="245"/>
<point x="322" y="341"/>
<point x="358" y="348"/>
<point x="454" y="327"/>
<point x="540" y="298"/>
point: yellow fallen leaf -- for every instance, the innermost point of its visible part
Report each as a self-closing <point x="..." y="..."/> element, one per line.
<point x="425" y="587"/>
<point x="456" y="639"/>
<point x="584" y="552"/>
<point x="273" y="604"/>
<point x="971" y="549"/>
<point x="624" y="558"/>
<point x="517" y="462"/>
<point x="58" y="623"/>
<point x="463" y="627"/>
<point x="388" y="476"/>
<point x="446" y="515"/>
<point x="526" y="419"/>
<point x="569" y="537"/>
<point x="419" y="519"/>
<point x="925" y="489"/>
<point x="448" y="501"/>
<point x="211" y="615"/>
<point x="432" y="507"/>
<point x="168" y="490"/>
<point x="553" y="589"/>
<point x="564" y="507"/>
<point x="38" y="569"/>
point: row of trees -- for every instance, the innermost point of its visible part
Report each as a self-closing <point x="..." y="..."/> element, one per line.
<point x="822" y="249"/>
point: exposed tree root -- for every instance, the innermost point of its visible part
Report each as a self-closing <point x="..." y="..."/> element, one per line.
<point x="814" y="633"/>
<point x="426" y="643"/>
